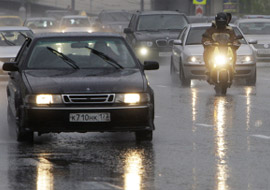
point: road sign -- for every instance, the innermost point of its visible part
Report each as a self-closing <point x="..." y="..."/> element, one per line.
<point x="199" y="10"/>
<point x="199" y="2"/>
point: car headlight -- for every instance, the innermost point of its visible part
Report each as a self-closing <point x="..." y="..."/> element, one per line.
<point x="143" y="51"/>
<point x="132" y="98"/>
<point x="245" y="59"/>
<point x="44" y="99"/>
<point x="194" y="60"/>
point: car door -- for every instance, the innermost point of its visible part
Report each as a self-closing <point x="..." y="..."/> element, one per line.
<point x="15" y="80"/>
<point x="177" y="50"/>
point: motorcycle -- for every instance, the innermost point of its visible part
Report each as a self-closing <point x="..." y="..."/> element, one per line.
<point x="221" y="63"/>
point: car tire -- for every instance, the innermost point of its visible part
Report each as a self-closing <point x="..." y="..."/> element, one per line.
<point x="144" y="136"/>
<point x="183" y="80"/>
<point x="252" y="80"/>
<point x="22" y="134"/>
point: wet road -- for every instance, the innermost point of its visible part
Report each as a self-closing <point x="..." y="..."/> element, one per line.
<point x="201" y="142"/>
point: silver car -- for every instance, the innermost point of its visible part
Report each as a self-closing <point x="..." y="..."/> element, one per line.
<point x="257" y="30"/>
<point x="187" y="56"/>
<point x="11" y="40"/>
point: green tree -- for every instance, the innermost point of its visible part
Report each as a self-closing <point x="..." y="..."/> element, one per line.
<point x="254" y="7"/>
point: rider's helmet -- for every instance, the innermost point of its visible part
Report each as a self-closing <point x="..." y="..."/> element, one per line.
<point x="221" y="20"/>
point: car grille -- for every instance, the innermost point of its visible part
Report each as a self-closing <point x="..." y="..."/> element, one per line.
<point x="164" y="43"/>
<point x="88" y="98"/>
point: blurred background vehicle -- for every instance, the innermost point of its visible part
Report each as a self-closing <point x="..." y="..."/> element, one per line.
<point x="113" y="21"/>
<point x="41" y="24"/>
<point x="11" y="40"/>
<point x="58" y="14"/>
<point x="257" y="30"/>
<point x="10" y="21"/>
<point x="187" y="58"/>
<point x="77" y="23"/>
<point x="152" y="40"/>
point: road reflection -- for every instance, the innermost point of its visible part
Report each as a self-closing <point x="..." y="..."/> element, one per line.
<point x="221" y="145"/>
<point x="44" y="174"/>
<point x="133" y="170"/>
<point x="77" y="164"/>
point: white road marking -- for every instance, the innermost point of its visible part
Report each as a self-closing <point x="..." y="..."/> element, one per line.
<point x="204" y="125"/>
<point x="157" y="116"/>
<point x="261" y="136"/>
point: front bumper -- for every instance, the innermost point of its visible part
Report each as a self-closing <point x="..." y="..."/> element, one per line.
<point x="198" y="71"/>
<point x="56" y="119"/>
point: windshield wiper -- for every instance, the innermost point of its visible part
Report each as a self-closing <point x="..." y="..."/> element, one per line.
<point x="106" y="58"/>
<point x="66" y="59"/>
<point x="7" y="41"/>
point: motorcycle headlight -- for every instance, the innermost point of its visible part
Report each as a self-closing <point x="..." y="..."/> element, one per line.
<point x="220" y="60"/>
<point x="132" y="98"/>
<point x="44" y="99"/>
<point x="245" y="59"/>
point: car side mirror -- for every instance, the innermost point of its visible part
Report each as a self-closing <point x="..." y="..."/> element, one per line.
<point x="151" y="65"/>
<point x="128" y="31"/>
<point x="177" y="42"/>
<point x="252" y="41"/>
<point x="10" y="66"/>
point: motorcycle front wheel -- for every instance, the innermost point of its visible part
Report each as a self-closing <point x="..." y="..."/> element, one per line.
<point x="221" y="90"/>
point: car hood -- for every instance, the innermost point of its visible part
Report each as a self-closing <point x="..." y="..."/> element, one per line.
<point x="85" y="81"/>
<point x="262" y="39"/>
<point x="154" y="35"/>
<point x="9" y="51"/>
<point x="244" y="49"/>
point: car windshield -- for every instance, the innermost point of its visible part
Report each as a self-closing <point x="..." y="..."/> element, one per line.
<point x="195" y="35"/>
<point x="13" y="38"/>
<point x="257" y="28"/>
<point x="115" y="16"/>
<point x="165" y="22"/>
<point x="10" y="22"/>
<point x="75" y="22"/>
<point x="78" y="50"/>
<point x="40" y="24"/>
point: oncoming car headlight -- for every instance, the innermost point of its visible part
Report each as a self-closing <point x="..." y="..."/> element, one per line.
<point x="44" y="99"/>
<point x="245" y="59"/>
<point x="194" y="60"/>
<point x="143" y="51"/>
<point x="145" y="43"/>
<point x="132" y="98"/>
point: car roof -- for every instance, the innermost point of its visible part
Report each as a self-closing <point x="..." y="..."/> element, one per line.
<point x="77" y="34"/>
<point x="40" y="18"/>
<point x="253" y="20"/>
<point x="74" y="16"/>
<point x="11" y="28"/>
<point x="158" y="12"/>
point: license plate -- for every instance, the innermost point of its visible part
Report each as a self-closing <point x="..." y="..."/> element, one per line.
<point x="264" y="51"/>
<point x="164" y="54"/>
<point x="89" y="117"/>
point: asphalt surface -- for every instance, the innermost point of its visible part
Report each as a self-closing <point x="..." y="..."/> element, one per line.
<point x="201" y="142"/>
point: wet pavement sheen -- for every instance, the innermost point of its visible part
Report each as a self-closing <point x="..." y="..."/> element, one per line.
<point x="201" y="142"/>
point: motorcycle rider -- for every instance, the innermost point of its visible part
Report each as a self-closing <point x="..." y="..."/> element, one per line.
<point x="220" y="25"/>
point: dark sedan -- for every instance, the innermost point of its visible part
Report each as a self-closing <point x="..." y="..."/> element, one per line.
<point x="79" y="83"/>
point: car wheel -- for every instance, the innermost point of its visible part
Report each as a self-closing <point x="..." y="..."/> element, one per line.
<point x="144" y="135"/>
<point x="252" y="80"/>
<point x="22" y="134"/>
<point x="184" y="81"/>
